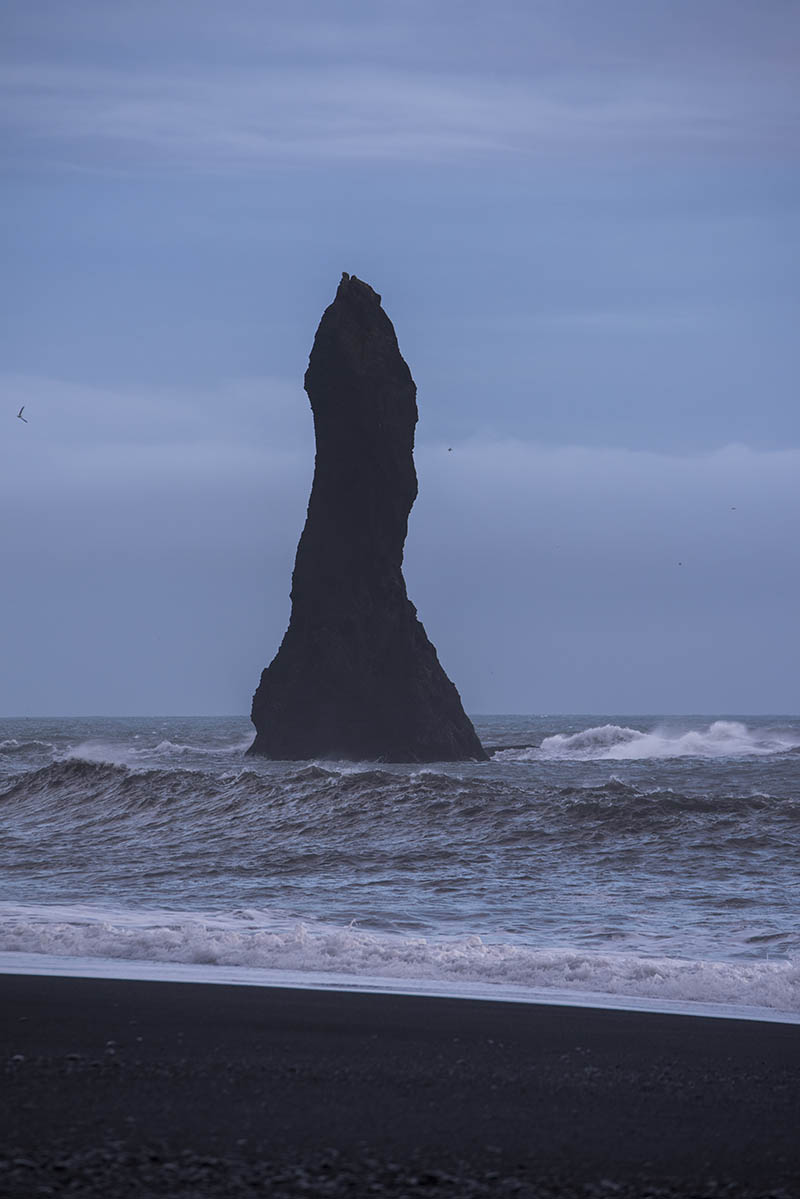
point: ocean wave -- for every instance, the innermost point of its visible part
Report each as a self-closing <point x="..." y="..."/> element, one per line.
<point x="58" y="775"/>
<point x="75" y="789"/>
<point x="368" y="783"/>
<point x="180" y="749"/>
<point x="376" y="805"/>
<point x="133" y="755"/>
<point x="12" y="746"/>
<point x="193" y="809"/>
<point x="613" y="742"/>
<point x="243" y="939"/>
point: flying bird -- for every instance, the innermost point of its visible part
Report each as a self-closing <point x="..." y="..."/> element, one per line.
<point x="20" y="416"/>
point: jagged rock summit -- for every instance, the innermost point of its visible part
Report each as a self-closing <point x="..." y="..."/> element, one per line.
<point x="356" y="676"/>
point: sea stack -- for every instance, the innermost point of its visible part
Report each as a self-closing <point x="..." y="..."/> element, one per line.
<point x="356" y="676"/>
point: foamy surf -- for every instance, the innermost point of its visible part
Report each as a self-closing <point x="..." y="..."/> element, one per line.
<point x="613" y="742"/>
<point x="164" y="752"/>
<point x="264" y="942"/>
<point x="77" y="967"/>
<point x="566" y="870"/>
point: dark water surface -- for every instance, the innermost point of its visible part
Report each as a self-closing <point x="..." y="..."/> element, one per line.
<point x="652" y="858"/>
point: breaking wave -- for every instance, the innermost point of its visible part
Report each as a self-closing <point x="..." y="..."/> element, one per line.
<point x="127" y="755"/>
<point x="668" y="877"/>
<point x="613" y="742"/>
<point x="251" y="939"/>
<point x="11" y="745"/>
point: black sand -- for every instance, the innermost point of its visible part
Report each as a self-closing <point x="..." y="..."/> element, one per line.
<point x="141" y="1088"/>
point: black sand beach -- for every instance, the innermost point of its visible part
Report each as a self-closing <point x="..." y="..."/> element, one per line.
<point x="139" y="1088"/>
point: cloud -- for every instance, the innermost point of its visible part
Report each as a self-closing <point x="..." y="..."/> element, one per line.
<point x="149" y="568"/>
<point x="584" y="579"/>
<point x="291" y="92"/>
<point x="88" y="422"/>
<point x="94" y="461"/>
<point x="149" y="542"/>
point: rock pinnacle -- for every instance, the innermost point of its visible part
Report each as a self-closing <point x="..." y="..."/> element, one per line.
<point x="356" y="676"/>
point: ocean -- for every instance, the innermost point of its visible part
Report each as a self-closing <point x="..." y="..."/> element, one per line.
<point x="614" y="860"/>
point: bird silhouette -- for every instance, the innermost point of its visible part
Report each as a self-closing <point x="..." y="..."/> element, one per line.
<point x="20" y="416"/>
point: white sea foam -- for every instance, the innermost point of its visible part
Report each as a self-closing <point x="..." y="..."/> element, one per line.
<point x="98" y="751"/>
<point x="163" y="753"/>
<point x="13" y="743"/>
<point x="268" y="941"/>
<point x="176" y="747"/>
<point x="613" y="742"/>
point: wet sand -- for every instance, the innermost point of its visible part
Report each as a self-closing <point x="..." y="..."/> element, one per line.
<point x="139" y="1088"/>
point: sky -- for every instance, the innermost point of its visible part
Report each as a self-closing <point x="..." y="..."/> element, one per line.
<point x="583" y="219"/>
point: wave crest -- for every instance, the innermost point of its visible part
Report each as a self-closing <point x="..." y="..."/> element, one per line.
<point x="12" y="746"/>
<point x="613" y="742"/>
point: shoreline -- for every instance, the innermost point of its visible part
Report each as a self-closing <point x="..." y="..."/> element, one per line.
<point x="123" y="1084"/>
<point x="134" y="970"/>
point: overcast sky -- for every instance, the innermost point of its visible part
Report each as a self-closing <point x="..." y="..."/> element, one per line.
<point x="583" y="219"/>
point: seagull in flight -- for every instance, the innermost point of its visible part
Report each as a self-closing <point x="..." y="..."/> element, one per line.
<point x="20" y="416"/>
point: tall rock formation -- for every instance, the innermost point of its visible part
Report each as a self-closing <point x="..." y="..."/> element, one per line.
<point x="356" y="676"/>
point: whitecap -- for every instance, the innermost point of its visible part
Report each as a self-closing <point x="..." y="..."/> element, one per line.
<point x="612" y="742"/>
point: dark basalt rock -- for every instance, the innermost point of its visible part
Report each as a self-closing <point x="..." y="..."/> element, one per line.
<point x="356" y="676"/>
